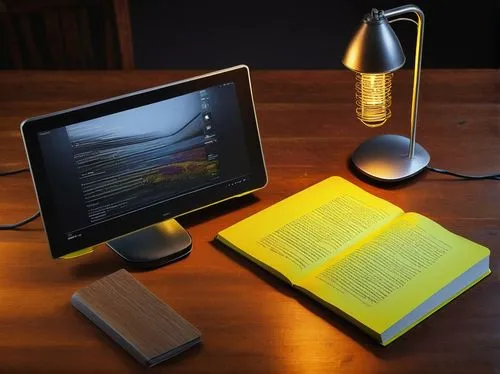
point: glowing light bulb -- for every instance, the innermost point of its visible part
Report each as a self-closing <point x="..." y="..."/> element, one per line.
<point x="373" y="98"/>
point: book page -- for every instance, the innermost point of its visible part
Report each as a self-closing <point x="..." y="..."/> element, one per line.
<point x="386" y="276"/>
<point x="304" y="230"/>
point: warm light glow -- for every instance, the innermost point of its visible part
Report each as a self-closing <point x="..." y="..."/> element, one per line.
<point x="373" y="98"/>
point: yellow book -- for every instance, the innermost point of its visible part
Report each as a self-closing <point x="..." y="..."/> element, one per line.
<point x="364" y="258"/>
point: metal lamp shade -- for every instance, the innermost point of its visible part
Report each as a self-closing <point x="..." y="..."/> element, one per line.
<point x="374" y="48"/>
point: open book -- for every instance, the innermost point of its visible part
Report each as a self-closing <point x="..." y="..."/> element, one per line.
<point x="380" y="268"/>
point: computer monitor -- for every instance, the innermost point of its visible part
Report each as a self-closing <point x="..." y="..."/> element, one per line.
<point x="120" y="170"/>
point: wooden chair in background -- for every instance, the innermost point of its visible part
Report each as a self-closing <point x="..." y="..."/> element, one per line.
<point x="66" y="34"/>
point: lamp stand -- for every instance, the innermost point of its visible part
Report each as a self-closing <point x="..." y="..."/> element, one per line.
<point x="393" y="158"/>
<point x="385" y="158"/>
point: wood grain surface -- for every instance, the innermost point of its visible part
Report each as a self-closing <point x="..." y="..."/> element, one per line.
<point x="251" y="321"/>
<point x="145" y="326"/>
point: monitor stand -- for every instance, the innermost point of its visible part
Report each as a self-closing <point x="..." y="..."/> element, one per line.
<point x="153" y="246"/>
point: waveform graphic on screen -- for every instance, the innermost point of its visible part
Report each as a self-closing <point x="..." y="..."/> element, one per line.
<point x="137" y="159"/>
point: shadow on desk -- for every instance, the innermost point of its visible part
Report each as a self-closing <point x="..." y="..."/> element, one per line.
<point x="104" y="261"/>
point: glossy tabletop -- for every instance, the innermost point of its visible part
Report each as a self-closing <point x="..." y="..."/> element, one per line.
<point x="250" y="320"/>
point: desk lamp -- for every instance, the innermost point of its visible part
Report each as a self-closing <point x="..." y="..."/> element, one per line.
<point x="374" y="53"/>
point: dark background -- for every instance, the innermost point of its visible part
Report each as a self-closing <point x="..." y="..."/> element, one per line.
<point x="305" y="35"/>
<point x="180" y="34"/>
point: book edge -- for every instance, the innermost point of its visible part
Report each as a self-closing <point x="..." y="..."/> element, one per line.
<point x="174" y="352"/>
<point x="439" y="306"/>
<point x="86" y="310"/>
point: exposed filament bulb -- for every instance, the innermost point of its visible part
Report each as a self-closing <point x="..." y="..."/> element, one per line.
<point x="373" y="98"/>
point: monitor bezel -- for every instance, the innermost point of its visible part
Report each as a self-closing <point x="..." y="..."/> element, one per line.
<point x="180" y="205"/>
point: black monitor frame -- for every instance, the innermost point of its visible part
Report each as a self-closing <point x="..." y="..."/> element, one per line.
<point x="174" y="207"/>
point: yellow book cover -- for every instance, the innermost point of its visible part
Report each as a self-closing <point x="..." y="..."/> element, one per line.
<point x="364" y="258"/>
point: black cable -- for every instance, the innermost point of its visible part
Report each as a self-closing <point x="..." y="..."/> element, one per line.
<point x="12" y="172"/>
<point x="14" y="226"/>
<point x="464" y="176"/>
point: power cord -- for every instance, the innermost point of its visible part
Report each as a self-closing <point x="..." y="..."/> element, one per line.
<point x="12" y="172"/>
<point x="16" y="225"/>
<point x="464" y="176"/>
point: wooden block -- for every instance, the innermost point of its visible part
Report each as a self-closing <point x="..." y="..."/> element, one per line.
<point x="145" y="326"/>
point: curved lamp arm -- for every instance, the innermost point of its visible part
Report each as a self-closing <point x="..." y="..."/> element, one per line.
<point x="394" y="12"/>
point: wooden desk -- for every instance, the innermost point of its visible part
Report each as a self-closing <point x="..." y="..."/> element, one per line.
<point x="252" y="322"/>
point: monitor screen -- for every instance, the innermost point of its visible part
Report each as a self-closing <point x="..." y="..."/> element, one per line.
<point x="145" y="158"/>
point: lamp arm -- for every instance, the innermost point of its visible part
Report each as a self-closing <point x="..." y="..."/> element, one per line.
<point x="394" y="12"/>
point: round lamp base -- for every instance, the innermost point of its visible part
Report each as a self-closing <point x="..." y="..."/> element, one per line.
<point x="385" y="158"/>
